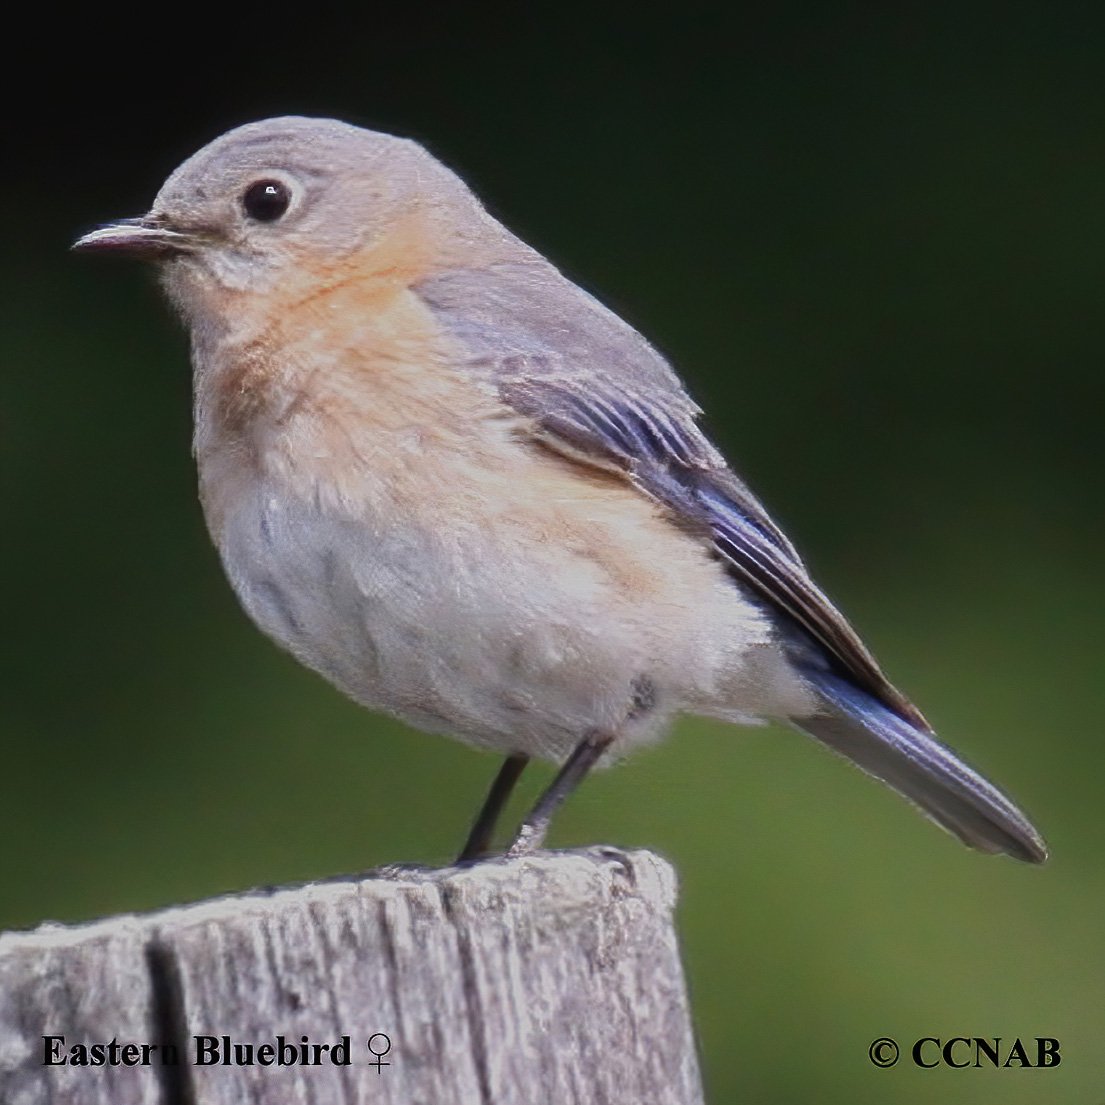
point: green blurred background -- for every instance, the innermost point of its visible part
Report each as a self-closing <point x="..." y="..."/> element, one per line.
<point x="872" y="241"/>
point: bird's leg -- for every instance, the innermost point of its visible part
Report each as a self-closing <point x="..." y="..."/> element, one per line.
<point x="532" y="832"/>
<point x="480" y="837"/>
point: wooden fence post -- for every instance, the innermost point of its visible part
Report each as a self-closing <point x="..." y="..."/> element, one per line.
<point x="551" y="979"/>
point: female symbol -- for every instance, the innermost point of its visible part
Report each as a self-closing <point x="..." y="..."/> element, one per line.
<point x="379" y="1043"/>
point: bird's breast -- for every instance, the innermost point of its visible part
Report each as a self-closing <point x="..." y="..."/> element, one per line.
<point x="395" y="527"/>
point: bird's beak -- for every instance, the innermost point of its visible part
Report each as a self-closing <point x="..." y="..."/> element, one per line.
<point x="146" y="238"/>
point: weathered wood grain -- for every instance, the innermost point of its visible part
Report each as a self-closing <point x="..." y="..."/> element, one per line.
<point x="551" y="979"/>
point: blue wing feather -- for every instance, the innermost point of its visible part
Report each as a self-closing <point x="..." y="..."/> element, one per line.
<point x="592" y="384"/>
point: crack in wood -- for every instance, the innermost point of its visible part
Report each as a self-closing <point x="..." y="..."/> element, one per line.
<point x="170" y="1023"/>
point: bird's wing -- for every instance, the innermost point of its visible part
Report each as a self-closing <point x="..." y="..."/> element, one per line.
<point x="598" y="392"/>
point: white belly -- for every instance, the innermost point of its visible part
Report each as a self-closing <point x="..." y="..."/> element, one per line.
<point x="487" y="629"/>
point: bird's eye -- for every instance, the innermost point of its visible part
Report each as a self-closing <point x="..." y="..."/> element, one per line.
<point x="266" y="200"/>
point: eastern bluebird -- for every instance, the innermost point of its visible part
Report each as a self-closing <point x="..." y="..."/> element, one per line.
<point x="466" y="493"/>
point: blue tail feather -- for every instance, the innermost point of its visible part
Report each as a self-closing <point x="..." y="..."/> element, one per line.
<point x="916" y="765"/>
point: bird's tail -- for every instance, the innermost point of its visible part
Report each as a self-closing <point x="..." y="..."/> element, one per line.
<point x="920" y="768"/>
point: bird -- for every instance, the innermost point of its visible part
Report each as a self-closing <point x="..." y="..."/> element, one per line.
<point x="468" y="494"/>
